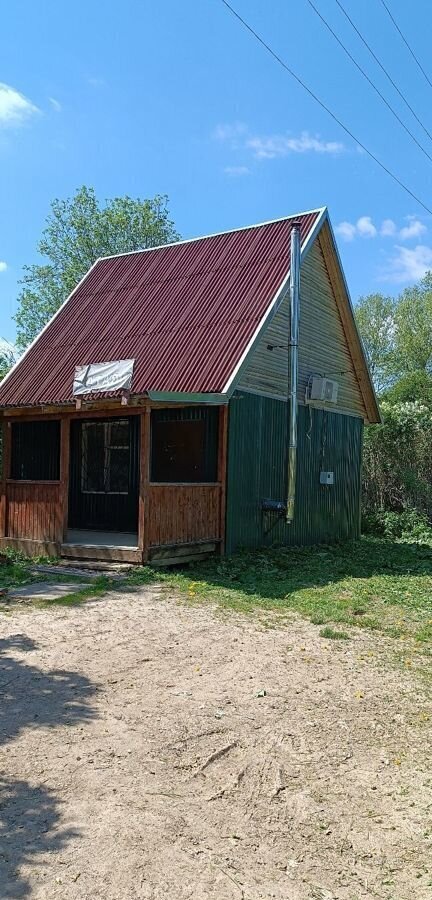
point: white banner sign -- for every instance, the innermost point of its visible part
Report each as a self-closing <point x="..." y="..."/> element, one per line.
<point x="106" y="376"/>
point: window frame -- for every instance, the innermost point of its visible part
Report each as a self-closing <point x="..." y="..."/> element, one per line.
<point x="208" y="419"/>
<point x="16" y="442"/>
<point x="107" y="426"/>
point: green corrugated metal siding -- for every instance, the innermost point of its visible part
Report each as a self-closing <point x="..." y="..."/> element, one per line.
<point x="256" y="470"/>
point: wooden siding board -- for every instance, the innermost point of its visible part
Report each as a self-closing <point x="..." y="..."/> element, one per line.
<point x="323" y="345"/>
<point x="181" y="514"/>
<point x="34" y="511"/>
<point x="144" y="481"/>
<point x="63" y="509"/>
<point x="222" y="469"/>
<point x="6" y="440"/>
<point x="29" y="547"/>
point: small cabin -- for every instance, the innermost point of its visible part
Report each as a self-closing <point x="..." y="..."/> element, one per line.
<point x="149" y="420"/>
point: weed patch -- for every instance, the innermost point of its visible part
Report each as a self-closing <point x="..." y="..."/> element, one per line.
<point x="334" y="635"/>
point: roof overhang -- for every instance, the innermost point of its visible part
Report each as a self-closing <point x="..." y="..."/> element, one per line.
<point x="178" y="397"/>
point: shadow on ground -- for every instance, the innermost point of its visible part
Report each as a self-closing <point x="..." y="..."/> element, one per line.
<point x="29" y="826"/>
<point x="275" y="573"/>
<point x="30" y="816"/>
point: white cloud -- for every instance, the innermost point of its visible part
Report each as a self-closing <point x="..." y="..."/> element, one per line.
<point x="281" y="145"/>
<point x="96" y="81"/>
<point x="55" y="104"/>
<point x="388" y="228"/>
<point x="346" y="230"/>
<point x="15" y="108"/>
<point x="412" y="230"/>
<point x="3" y="266"/>
<point x="365" y="227"/>
<point x="229" y="132"/>
<point x="409" y="265"/>
<point x="236" y="171"/>
<point x="239" y="136"/>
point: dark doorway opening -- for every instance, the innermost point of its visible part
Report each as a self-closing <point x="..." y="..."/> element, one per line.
<point x="104" y="474"/>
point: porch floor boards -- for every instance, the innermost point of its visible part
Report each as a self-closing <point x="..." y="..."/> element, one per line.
<point x="90" y="538"/>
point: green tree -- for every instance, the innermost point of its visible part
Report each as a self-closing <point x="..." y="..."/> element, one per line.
<point x="412" y="387"/>
<point x="375" y="315"/>
<point x="7" y="359"/>
<point x="413" y="328"/>
<point x="77" y="231"/>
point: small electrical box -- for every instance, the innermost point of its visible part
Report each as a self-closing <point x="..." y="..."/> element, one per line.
<point x="326" y="477"/>
<point x="323" y="389"/>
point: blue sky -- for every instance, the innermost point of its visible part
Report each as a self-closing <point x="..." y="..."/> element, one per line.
<point x="176" y="98"/>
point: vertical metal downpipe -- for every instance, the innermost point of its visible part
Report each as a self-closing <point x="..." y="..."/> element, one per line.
<point x="293" y="371"/>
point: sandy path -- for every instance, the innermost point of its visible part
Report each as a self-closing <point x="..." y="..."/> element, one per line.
<point x="139" y="762"/>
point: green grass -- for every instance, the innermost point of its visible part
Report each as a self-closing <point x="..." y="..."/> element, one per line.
<point x="332" y="634"/>
<point x="17" y="571"/>
<point x="99" y="587"/>
<point x="20" y="570"/>
<point x="373" y="583"/>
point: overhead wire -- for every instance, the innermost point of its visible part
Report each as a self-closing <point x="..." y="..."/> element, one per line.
<point x="321" y="103"/>
<point x="406" y="43"/>
<point x="366" y="76"/>
<point x="383" y="69"/>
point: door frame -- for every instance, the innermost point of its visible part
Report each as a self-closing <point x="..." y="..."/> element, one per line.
<point x="74" y="502"/>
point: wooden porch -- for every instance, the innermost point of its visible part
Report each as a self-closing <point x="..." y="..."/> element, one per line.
<point x="175" y="521"/>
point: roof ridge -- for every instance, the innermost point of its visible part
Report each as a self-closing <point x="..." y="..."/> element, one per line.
<point x="203" y="237"/>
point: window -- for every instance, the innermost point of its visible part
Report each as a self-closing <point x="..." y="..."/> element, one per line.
<point x="184" y="445"/>
<point x="35" y="451"/>
<point x="105" y="457"/>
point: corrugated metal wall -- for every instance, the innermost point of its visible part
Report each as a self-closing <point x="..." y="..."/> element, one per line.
<point x="256" y="470"/>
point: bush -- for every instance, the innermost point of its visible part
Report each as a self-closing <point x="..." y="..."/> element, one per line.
<point x="397" y="467"/>
<point x="409" y="525"/>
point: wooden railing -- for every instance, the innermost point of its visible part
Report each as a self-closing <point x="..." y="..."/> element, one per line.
<point x="33" y="510"/>
<point x="183" y="513"/>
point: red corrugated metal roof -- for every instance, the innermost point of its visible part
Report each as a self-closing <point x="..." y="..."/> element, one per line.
<point x="185" y="312"/>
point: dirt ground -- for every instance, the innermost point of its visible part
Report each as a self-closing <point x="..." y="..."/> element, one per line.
<point x="140" y="758"/>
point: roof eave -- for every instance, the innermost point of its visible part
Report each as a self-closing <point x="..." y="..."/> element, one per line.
<point x="371" y="400"/>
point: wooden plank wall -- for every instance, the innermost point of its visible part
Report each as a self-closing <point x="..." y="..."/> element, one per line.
<point x="323" y="343"/>
<point x="183" y="513"/>
<point x="6" y="436"/>
<point x="34" y="510"/>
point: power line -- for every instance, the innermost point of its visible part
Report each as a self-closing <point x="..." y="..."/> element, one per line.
<point x="406" y="43"/>
<point x="372" y="84"/>
<point x="323" y="106"/>
<point x="383" y="68"/>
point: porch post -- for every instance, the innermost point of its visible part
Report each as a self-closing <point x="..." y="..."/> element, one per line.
<point x="222" y="470"/>
<point x="144" y="483"/>
<point x="6" y="462"/>
<point x="64" y="477"/>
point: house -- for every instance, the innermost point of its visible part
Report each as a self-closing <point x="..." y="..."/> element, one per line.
<point x="168" y="409"/>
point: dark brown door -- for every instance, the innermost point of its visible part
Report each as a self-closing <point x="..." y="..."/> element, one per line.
<point x="104" y="474"/>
